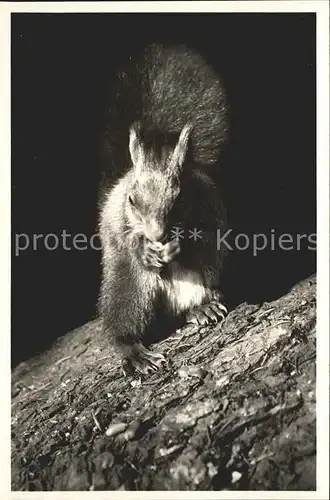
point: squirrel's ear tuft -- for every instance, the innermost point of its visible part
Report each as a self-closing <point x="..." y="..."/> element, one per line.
<point x="181" y="148"/>
<point x="135" y="145"/>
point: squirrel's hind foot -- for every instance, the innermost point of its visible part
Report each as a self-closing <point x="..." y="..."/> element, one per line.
<point x="213" y="311"/>
<point x="138" y="358"/>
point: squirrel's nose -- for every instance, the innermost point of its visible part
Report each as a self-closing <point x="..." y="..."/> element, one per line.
<point x="155" y="232"/>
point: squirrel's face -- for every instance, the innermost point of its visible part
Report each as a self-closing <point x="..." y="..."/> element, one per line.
<point x="150" y="202"/>
<point x="155" y="184"/>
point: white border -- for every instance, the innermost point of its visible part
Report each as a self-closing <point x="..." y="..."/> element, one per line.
<point x="322" y="10"/>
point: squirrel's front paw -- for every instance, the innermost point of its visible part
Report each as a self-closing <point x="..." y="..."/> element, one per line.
<point x="156" y="254"/>
<point x="150" y="255"/>
<point x="169" y="251"/>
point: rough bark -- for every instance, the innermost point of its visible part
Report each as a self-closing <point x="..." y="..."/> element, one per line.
<point x="235" y="409"/>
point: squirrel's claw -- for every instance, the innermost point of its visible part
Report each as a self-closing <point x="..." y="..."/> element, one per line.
<point x="144" y="361"/>
<point x="212" y="312"/>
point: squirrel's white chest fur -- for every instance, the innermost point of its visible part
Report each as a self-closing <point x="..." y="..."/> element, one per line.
<point x="184" y="289"/>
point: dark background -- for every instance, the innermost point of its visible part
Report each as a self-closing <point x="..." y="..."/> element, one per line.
<point x="61" y="67"/>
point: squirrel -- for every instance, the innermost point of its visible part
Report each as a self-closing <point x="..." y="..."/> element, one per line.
<point x="158" y="220"/>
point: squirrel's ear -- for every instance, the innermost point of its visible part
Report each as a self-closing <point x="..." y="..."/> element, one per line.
<point x="181" y="148"/>
<point x="135" y="146"/>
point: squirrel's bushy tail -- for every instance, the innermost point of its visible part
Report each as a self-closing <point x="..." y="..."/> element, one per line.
<point x="166" y="88"/>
